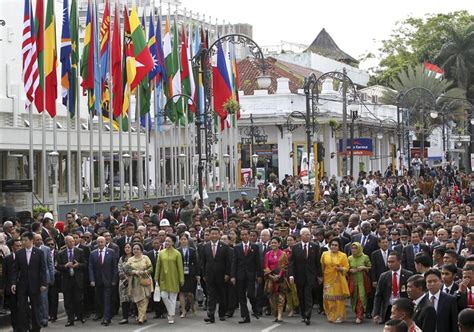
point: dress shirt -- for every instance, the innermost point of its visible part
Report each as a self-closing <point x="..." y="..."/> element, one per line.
<point x="28" y="255"/>
<point x="418" y="300"/>
<point x="436" y="299"/>
<point x="398" y="283"/>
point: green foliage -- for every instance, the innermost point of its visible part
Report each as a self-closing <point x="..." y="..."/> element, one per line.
<point x="415" y="40"/>
<point x="38" y="209"/>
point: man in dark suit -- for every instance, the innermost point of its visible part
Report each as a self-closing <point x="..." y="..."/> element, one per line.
<point x="246" y="270"/>
<point x="11" y="298"/>
<point x="305" y="271"/>
<point x="127" y="238"/>
<point x="224" y="211"/>
<point x="72" y="265"/>
<point x="444" y="304"/>
<point x="261" y="297"/>
<point x="29" y="280"/>
<point x="216" y="265"/>
<point x="103" y="274"/>
<point x="409" y="252"/>
<point x="379" y="260"/>
<point x="390" y="286"/>
<point x="465" y="296"/>
<point x="458" y="239"/>
<point x="85" y="226"/>
<point x="425" y="314"/>
<point x="158" y="307"/>
<point x="368" y="241"/>
<point x="448" y="274"/>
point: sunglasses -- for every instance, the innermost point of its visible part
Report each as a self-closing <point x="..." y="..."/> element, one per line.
<point x="51" y="244"/>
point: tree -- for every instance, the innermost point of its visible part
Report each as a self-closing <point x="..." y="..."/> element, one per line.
<point x="457" y="55"/>
<point x="415" y="40"/>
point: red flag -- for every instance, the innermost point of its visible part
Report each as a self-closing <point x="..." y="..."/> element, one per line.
<point x="434" y="68"/>
<point x="221" y="86"/>
<point x="39" y="93"/>
<point x="117" y="86"/>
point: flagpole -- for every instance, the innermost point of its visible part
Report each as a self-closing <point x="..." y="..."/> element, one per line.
<point x="68" y="163"/>
<point x="91" y="154"/>
<point x="43" y="156"/>
<point x="78" y="120"/>
<point x="130" y="167"/>
<point x="100" y="115"/>
<point x="120" y="159"/>
<point x="147" y="155"/>
<point x="111" y="114"/>
<point x="31" y="170"/>
<point x="139" y="147"/>
<point x="156" y="148"/>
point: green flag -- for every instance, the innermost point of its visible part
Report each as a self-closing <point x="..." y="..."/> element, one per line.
<point x="74" y="56"/>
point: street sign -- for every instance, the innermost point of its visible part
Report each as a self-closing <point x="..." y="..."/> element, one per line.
<point x="362" y="147"/>
<point x="460" y="138"/>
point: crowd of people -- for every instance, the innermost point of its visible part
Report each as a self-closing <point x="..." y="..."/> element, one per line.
<point x="400" y="255"/>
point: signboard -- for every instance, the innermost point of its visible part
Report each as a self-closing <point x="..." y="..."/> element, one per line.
<point x="246" y="177"/>
<point x="417" y="151"/>
<point x="15" y="196"/>
<point x="362" y="147"/>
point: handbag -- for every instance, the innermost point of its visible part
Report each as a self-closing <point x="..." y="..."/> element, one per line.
<point x="157" y="293"/>
<point x="199" y="292"/>
<point x="145" y="281"/>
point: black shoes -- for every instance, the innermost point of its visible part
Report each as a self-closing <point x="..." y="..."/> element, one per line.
<point x="96" y="318"/>
<point x="123" y="321"/>
<point x="210" y="320"/>
<point x="256" y="315"/>
<point x="306" y="321"/>
<point x="69" y="324"/>
<point x="222" y="319"/>
<point x="105" y="322"/>
<point x="244" y="320"/>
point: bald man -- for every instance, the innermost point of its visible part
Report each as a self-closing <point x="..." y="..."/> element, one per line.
<point x="103" y="275"/>
<point x="72" y="265"/>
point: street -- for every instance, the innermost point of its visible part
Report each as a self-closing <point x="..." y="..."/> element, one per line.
<point x="196" y="323"/>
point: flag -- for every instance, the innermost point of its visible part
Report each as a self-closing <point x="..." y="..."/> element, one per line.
<point x="221" y="85"/>
<point x="185" y="73"/>
<point x="161" y="75"/>
<point x="65" y="58"/>
<point x="235" y="80"/>
<point x="192" y="82"/>
<point x="117" y="67"/>
<point x="433" y="69"/>
<point x="104" y="62"/>
<point x="39" y="37"/>
<point x="50" y="60"/>
<point x="142" y="59"/>
<point x="175" y="71"/>
<point x="144" y="87"/>
<point x="168" y="57"/>
<point x="30" y="57"/>
<point x="128" y="70"/>
<point x="200" y="87"/>
<point x="87" y="59"/>
<point x="74" y="58"/>
<point x="96" y="63"/>
<point x="153" y="50"/>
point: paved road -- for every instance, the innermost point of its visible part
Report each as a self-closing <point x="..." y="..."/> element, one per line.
<point x="196" y="323"/>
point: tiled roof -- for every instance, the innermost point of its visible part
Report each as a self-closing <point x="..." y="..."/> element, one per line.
<point x="324" y="45"/>
<point x="249" y="70"/>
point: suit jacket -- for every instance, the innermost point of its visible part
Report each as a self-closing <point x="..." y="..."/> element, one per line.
<point x="408" y="256"/>
<point x="246" y="267"/>
<point x="452" y="290"/>
<point x="215" y="268"/>
<point x="151" y="256"/>
<point x="378" y="264"/>
<point x="28" y="278"/>
<point x="220" y="211"/>
<point x="85" y="229"/>
<point x="425" y="315"/>
<point x="461" y="246"/>
<point x="305" y="270"/>
<point x="49" y="264"/>
<point x="447" y="313"/>
<point x="384" y="291"/>
<point x="7" y="272"/>
<point x="78" y="278"/>
<point x="192" y="261"/>
<point x="121" y="244"/>
<point x="371" y="244"/>
<point x="106" y="274"/>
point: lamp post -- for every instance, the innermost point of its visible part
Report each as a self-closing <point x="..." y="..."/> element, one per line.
<point x="126" y="158"/>
<point x="354" y="116"/>
<point x="254" y="168"/>
<point x="226" y="158"/>
<point x="251" y="135"/>
<point x="54" y="159"/>
<point x="201" y="64"/>
<point x="182" y="161"/>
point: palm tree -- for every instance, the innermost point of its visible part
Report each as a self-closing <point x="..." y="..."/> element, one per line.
<point x="457" y="55"/>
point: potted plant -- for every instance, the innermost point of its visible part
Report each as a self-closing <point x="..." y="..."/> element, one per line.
<point x="335" y="125"/>
<point x="231" y="106"/>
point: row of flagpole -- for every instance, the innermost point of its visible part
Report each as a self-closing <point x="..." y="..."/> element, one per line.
<point x="227" y="139"/>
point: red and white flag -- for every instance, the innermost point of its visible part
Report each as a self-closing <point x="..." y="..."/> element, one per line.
<point x="30" y="56"/>
<point x="433" y="69"/>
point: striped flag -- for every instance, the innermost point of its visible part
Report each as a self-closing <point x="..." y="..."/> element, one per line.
<point x="221" y="85"/>
<point x="65" y="58"/>
<point x="87" y="59"/>
<point x="168" y="57"/>
<point x="129" y="69"/>
<point x="74" y="58"/>
<point x="30" y="58"/>
<point x="39" y="37"/>
<point x="96" y="63"/>
<point x="104" y="61"/>
<point x="176" y="72"/>
<point x="50" y="60"/>
<point x="185" y="72"/>
<point x="117" y="67"/>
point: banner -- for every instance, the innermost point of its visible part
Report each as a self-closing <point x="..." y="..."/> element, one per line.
<point x="362" y="147"/>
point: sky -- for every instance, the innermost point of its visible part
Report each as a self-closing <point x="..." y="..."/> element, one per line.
<point x="356" y="26"/>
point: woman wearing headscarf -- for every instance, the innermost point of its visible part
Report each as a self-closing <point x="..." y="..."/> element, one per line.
<point x="359" y="282"/>
<point x="335" y="290"/>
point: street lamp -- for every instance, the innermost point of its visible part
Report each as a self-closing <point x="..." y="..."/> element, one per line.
<point x="182" y="161"/>
<point x="379" y="136"/>
<point x="226" y="158"/>
<point x="54" y="159"/>
<point x="126" y="158"/>
<point x="264" y="81"/>
<point x="354" y="115"/>
<point x="254" y="168"/>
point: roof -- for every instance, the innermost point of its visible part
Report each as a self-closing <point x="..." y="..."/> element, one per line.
<point x="326" y="46"/>
<point x="376" y="90"/>
<point x="249" y="70"/>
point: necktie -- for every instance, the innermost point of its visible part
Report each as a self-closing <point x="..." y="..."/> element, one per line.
<point x="416" y="249"/>
<point x="225" y="214"/>
<point x="433" y="300"/>
<point x="306" y="250"/>
<point x="161" y="215"/>
<point x="446" y="290"/>
<point x="69" y="255"/>
<point x="186" y="256"/>
<point x="394" y="285"/>
<point x="101" y="257"/>
<point x="156" y="254"/>
<point x="470" y="300"/>
<point x="384" y="253"/>
<point x="246" y="249"/>
<point x="364" y="239"/>
<point x="214" y="249"/>
<point x="264" y="247"/>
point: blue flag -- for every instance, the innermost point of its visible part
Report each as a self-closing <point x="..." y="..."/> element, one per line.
<point x="65" y="59"/>
<point x="97" y="76"/>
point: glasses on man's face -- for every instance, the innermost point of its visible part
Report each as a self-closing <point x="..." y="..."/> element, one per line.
<point x="51" y="244"/>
